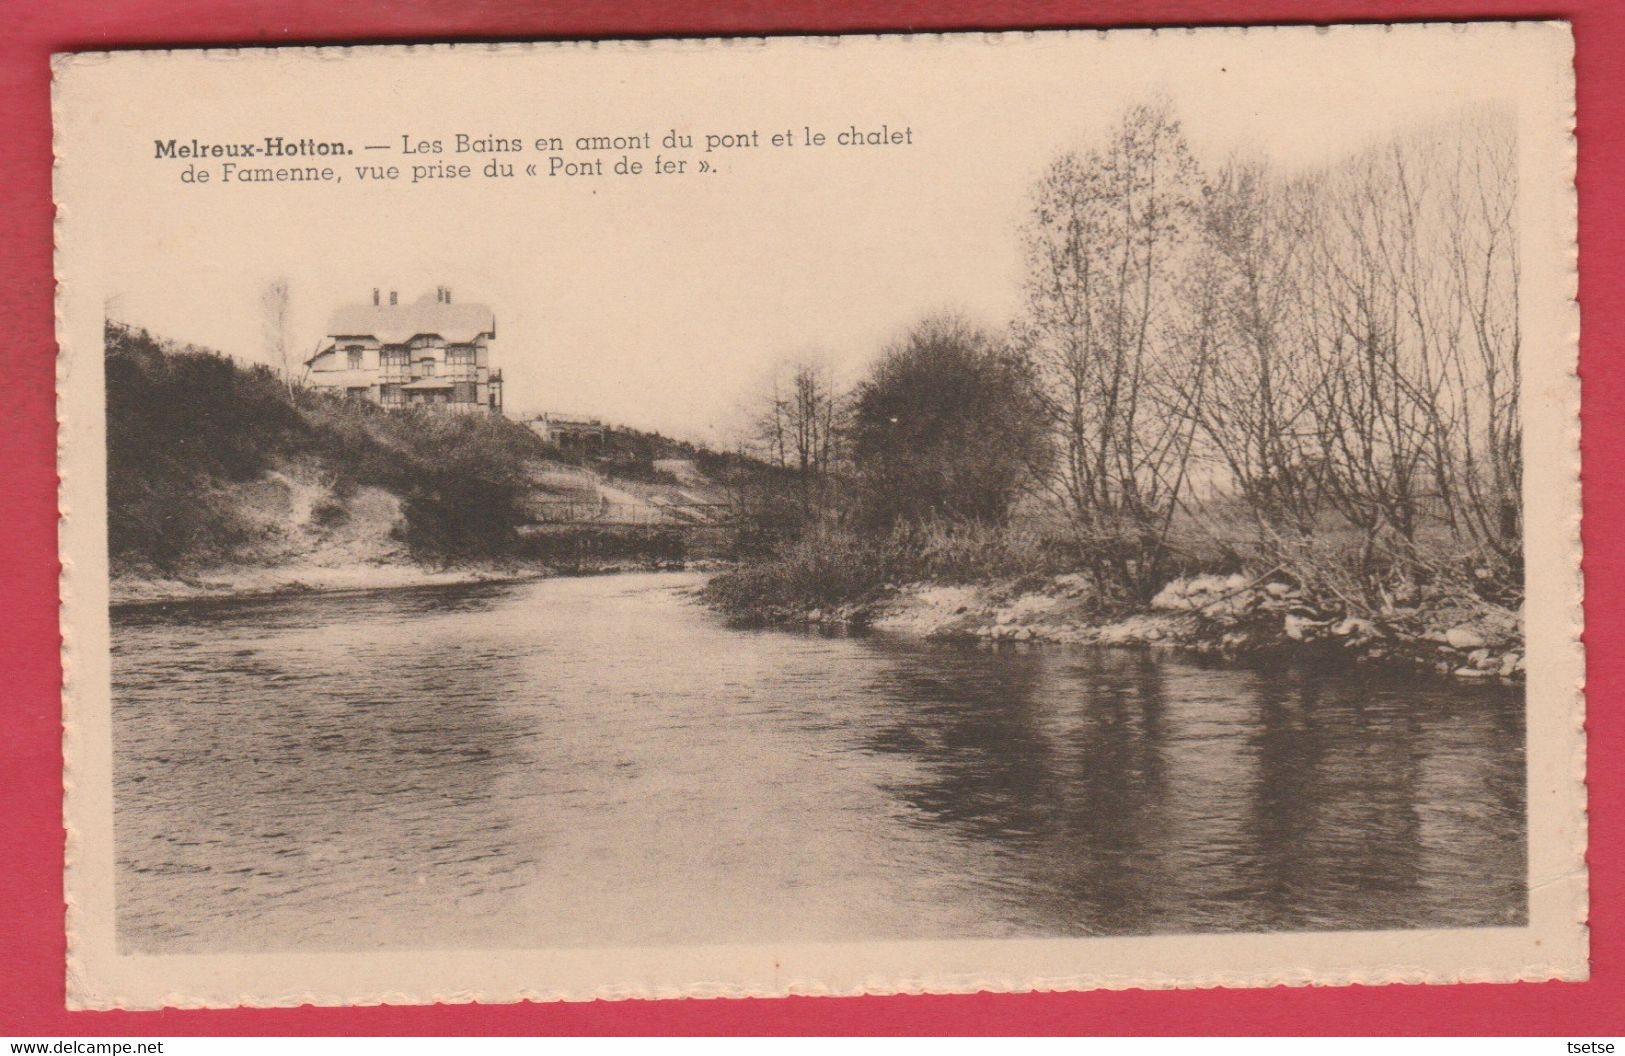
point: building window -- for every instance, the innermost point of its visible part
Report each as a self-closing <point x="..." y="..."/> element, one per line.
<point x="356" y="392"/>
<point x="464" y="356"/>
<point x="426" y="367"/>
<point x="391" y="396"/>
<point x="463" y="392"/>
<point x="354" y="354"/>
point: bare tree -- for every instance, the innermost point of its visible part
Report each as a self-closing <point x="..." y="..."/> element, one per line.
<point x="1413" y="313"/>
<point x="799" y="424"/>
<point x="1107" y="233"/>
<point x="1241" y="327"/>
<point x="275" y="306"/>
<point x="1481" y="240"/>
<point x="1335" y="354"/>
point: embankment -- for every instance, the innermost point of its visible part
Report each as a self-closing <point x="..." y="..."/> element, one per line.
<point x="1229" y="616"/>
<point x="224" y="480"/>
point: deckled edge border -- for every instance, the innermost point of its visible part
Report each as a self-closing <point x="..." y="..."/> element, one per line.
<point x="79" y="990"/>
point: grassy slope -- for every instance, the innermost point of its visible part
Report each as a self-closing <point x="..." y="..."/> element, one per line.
<point x="214" y="466"/>
<point x="211" y="463"/>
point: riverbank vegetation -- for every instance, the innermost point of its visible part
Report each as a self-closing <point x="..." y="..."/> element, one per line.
<point x="189" y="430"/>
<point x="1307" y="379"/>
<point x="226" y="478"/>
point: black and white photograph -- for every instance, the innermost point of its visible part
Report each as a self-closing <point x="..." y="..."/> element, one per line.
<point x="820" y="515"/>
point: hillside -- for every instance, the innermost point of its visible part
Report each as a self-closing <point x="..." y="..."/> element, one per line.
<point x="222" y="479"/>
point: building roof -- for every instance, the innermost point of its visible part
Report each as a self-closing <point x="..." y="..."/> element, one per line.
<point x="395" y="324"/>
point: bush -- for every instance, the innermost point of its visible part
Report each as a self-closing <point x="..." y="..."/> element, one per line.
<point x="181" y="423"/>
<point x="830" y="566"/>
<point x="970" y="552"/>
<point x="466" y="485"/>
<point x="948" y="427"/>
<point x="822" y="568"/>
<point x="329" y="515"/>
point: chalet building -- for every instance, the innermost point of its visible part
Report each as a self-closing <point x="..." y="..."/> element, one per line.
<point x="429" y="353"/>
<point x="571" y="432"/>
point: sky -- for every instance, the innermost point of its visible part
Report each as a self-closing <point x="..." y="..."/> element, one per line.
<point x="663" y="302"/>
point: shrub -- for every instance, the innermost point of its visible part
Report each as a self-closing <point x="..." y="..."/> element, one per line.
<point x="948" y="427"/>
<point x="329" y="515"/>
<point x="829" y="566"/>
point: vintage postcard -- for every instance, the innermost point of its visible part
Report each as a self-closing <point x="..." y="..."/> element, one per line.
<point x="820" y="515"/>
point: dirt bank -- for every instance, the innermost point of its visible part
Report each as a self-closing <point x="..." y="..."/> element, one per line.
<point x="301" y="534"/>
<point x="251" y="582"/>
<point x="247" y="582"/>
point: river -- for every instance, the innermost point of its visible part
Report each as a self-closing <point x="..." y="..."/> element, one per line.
<point x="603" y="761"/>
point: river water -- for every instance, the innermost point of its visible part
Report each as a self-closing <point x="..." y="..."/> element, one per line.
<point x="602" y="761"/>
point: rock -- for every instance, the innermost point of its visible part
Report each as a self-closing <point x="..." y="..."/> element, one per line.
<point x="1277" y="589"/>
<point x="1471" y="672"/>
<point x="815" y="616"/>
<point x="1235" y="606"/>
<point x="1173" y="596"/>
<point x="1478" y="656"/>
<point x="1237" y="581"/>
<point x="1022" y="634"/>
<point x="1154" y="634"/>
<point x="1511" y="663"/>
<point x="1464" y="638"/>
<point x="1074" y="584"/>
<point x="1300" y="628"/>
<point x="1354" y="627"/>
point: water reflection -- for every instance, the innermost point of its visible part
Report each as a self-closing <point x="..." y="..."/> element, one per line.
<point x="593" y="762"/>
<point x="1139" y="793"/>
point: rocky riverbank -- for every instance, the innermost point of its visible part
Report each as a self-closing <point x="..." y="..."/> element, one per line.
<point x="1233" y="616"/>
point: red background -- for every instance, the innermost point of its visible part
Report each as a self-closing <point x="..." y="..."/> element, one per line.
<point x="31" y="929"/>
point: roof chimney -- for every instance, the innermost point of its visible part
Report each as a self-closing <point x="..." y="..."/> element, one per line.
<point x="375" y="296"/>
<point x="392" y="296"/>
<point x="448" y="293"/>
